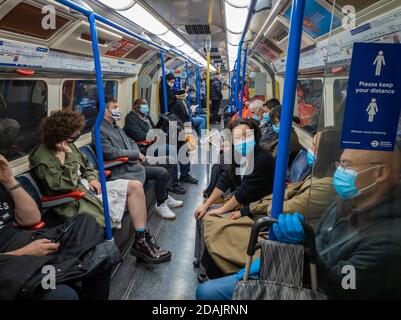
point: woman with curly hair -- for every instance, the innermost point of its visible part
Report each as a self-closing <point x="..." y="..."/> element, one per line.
<point x="63" y="168"/>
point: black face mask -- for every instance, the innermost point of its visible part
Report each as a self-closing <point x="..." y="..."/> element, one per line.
<point x="73" y="139"/>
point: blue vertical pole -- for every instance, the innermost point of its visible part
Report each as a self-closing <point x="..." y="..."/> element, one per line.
<point x="243" y="77"/>
<point x="198" y="88"/>
<point x="164" y="82"/>
<point x="232" y="99"/>
<point x="189" y="91"/>
<point x="99" y="120"/>
<point x="294" y="48"/>
<point x="237" y="80"/>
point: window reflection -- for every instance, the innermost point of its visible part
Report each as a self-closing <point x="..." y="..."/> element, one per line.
<point x="23" y="105"/>
<point x="82" y="96"/>
<point x="309" y="103"/>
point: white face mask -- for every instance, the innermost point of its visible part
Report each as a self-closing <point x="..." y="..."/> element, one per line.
<point x="116" y="114"/>
<point x="171" y="85"/>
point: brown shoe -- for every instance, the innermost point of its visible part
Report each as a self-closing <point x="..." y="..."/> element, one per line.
<point x="146" y="249"/>
<point x="151" y="239"/>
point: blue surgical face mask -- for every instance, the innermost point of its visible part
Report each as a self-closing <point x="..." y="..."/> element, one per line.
<point x="144" y="109"/>
<point x="345" y="183"/>
<point x="266" y="117"/>
<point x="310" y="157"/>
<point x="276" y="128"/>
<point x="255" y="117"/>
<point x="245" y="148"/>
<point x="116" y="114"/>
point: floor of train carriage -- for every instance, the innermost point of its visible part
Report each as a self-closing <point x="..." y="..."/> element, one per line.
<point x="173" y="280"/>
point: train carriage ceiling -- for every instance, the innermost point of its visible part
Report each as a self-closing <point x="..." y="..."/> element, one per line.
<point x="187" y="22"/>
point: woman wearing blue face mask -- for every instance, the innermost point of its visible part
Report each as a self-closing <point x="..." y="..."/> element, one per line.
<point x="138" y="123"/>
<point x="271" y="143"/>
<point x="251" y="184"/>
<point x="311" y="196"/>
<point x="268" y="135"/>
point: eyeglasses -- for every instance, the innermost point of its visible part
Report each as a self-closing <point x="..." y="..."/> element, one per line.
<point x="347" y="166"/>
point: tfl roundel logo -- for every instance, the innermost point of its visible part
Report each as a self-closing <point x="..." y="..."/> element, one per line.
<point x="375" y="144"/>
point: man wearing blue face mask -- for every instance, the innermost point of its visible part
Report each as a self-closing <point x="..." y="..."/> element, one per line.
<point x="358" y="238"/>
<point x="138" y="123"/>
<point x="172" y="95"/>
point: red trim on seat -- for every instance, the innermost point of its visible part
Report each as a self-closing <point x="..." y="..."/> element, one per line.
<point x="77" y="195"/>
<point x="145" y="142"/>
<point x="38" y="226"/>
<point x="118" y="160"/>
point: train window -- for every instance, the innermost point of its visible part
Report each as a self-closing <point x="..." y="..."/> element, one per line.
<point x="23" y="105"/>
<point x="309" y="103"/>
<point x="81" y="96"/>
<point x="340" y="95"/>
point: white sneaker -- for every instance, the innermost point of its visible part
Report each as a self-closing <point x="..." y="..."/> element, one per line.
<point x="165" y="212"/>
<point x="173" y="203"/>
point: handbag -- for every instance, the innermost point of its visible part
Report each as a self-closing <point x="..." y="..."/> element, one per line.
<point x="281" y="270"/>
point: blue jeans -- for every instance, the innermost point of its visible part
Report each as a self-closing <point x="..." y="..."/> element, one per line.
<point x="217" y="289"/>
<point x="62" y="292"/>
<point x="199" y="124"/>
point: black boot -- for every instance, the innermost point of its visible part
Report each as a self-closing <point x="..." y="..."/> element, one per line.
<point x="145" y="248"/>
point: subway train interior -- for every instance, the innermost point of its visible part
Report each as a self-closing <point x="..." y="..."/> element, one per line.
<point x="200" y="150"/>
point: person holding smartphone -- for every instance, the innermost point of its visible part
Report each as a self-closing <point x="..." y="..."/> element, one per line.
<point x="26" y="250"/>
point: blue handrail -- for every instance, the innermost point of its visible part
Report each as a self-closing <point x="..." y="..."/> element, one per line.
<point x="189" y="91"/>
<point x="290" y="84"/>
<point x="237" y="80"/>
<point x="232" y="98"/>
<point x="243" y="77"/>
<point x="99" y="119"/>
<point x="251" y="11"/>
<point x="198" y="88"/>
<point x="164" y="84"/>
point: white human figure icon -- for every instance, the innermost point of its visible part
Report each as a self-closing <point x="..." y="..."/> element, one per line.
<point x="379" y="62"/>
<point x="372" y="110"/>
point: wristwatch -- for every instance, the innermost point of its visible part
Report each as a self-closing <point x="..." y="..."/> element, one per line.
<point x="15" y="187"/>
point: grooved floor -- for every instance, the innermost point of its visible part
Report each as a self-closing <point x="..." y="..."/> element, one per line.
<point x="176" y="279"/>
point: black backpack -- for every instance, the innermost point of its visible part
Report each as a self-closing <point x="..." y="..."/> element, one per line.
<point x="164" y="122"/>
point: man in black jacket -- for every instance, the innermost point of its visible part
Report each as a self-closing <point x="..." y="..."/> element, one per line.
<point x="216" y="96"/>
<point x="138" y="124"/>
<point x="358" y="239"/>
<point x="172" y="95"/>
<point x="23" y="254"/>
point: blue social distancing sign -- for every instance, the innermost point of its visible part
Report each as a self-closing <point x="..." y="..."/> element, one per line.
<point x="177" y="84"/>
<point x="372" y="109"/>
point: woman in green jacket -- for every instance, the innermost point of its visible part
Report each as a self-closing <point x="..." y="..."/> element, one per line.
<point x="62" y="168"/>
